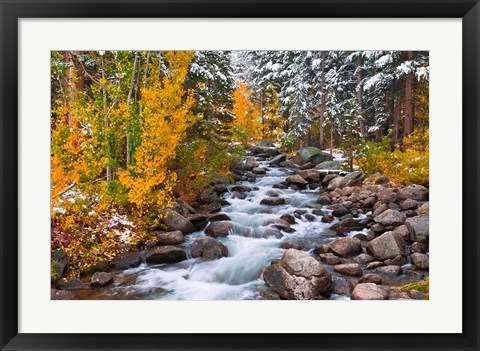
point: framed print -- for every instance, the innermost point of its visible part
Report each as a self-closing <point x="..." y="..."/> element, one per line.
<point x="215" y="175"/>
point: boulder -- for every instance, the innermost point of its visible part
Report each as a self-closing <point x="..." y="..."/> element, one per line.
<point x="363" y="258"/>
<point x="335" y="183"/>
<point x="327" y="218"/>
<point x="409" y="204"/>
<point x="309" y="175"/>
<point x="219" y="217"/>
<point x="174" y="221"/>
<point x="420" y="260"/>
<point x="352" y="179"/>
<point x="288" y="218"/>
<point x="389" y="270"/>
<point x="296" y="179"/>
<point x="350" y="269"/>
<point x="324" y="200"/>
<point x="330" y="258"/>
<point x="419" y="248"/>
<point x="319" y="158"/>
<point x="277" y="159"/>
<point x="414" y="192"/>
<point x="371" y="278"/>
<point x="369" y="291"/>
<point x="419" y="228"/>
<point x="127" y="260"/>
<point x="259" y="170"/>
<point x="70" y="283"/>
<point x="387" y="245"/>
<point x="342" y="286"/>
<point x="170" y="238"/>
<point x="165" y="254"/>
<point x="398" y="260"/>
<point x="294" y="244"/>
<point x="271" y="151"/>
<point x="402" y="231"/>
<point x="340" y="211"/>
<point x="298" y="276"/>
<point x="58" y="263"/>
<point x="387" y="195"/>
<point x="329" y="165"/>
<point x="273" y="201"/>
<point x="219" y="229"/>
<point x="391" y="218"/>
<point x="346" y="247"/>
<point x="347" y="225"/>
<point x="307" y="165"/>
<point x="101" y="279"/>
<point x="208" y="248"/>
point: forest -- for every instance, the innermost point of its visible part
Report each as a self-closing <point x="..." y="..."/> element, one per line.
<point x="139" y="135"/>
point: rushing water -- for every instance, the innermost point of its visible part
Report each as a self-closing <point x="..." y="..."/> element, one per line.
<point x="238" y="276"/>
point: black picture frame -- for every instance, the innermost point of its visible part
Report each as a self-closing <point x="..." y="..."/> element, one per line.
<point x="11" y="11"/>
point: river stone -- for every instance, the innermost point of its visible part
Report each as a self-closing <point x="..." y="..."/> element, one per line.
<point x="418" y="248"/>
<point x="414" y="192"/>
<point x="369" y="291"/>
<point x="350" y="269"/>
<point x="101" y="279"/>
<point x="293" y="244"/>
<point x="342" y="286"/>
<point x="219" y="217"/>
<point x="270" y="151"/>
<point x="270" y="232"/>
<point x="324" y="200"/>
<point x="402" y="231"/>
<point x="296" y="179"/>
<point x="219" y="229"/>
<point x="69" y="283"/>
<point x="369" y="202"/>
<point x="352" y="179"/>
<point x="334" y="183"/>
<point x="340" y="211"/>
<point x="389" y="270"/>
<point x="319" y="158"/>
<point x="346" y="225"/>
<point x="363" y="258"/>
<point x="330" y="165"/>
<point x="409" y="204"/>
<point x="165" y="254"/>
<point x="398" y="260"/>
<point x="388" y="245"/>
<point x="277" y="159"/>
<point x="62" y="295"/>
<point x="199" y="220"/>
<point x="307" y="165"/>
<point x="391" y="218"/>
<point x="273" y="201"/>
<point x="309" y="175"/>
<point x="58" y="263"/>
<point x="346" y="247"/>
<point x="170" y="238"/>
<point x="298" y="276"/>
<point x="420" y="260"/>
<point x="174" y="221"/>
<point x="424" y="209"/>
<point x="288" y="218"/>
<point x="327" y="218"/>
<point x="208" y="248"/>
<point x="387" y="195"/>
<point x="371" y="278"/>
<point x="259" y="170"/>
<point x="419" y="228"/>
<point x="330" y="258"/>
<point x="127" y="260"/>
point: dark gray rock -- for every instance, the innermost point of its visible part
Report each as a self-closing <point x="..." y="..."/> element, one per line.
<point x="208" y="248"/>
<point x="165" y="254"/>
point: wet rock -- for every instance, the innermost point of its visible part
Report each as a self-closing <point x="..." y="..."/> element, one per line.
<point x="241" y="188"/>
<point x="174" y="221"/>
<point x="272" y="232"/>
<point x="101" y="279"/>
<point x="329" y="258"/>
<point x="319" y="158"/>
<point x="309" y="217"/>
<point x="165" y="254"/>
<point x="70" y="283"/>
<point x="318" y="212"/>
<point x="369" y="291"/>
<point x="273" y="193"/>
<point x="219" y="229"/>
<point x="390" y="270"/>
<point x="219" y="217"/>
<point x="298" y="277"/>
<point x="350" y="269"/>
<point x="199" y="220"/>
<point x="296" y="179"/>
<point x="208" y="248"/>
<point x="238" y="195"/>
<point x="259" y="170"/>
<point x="387" y="245"/>
<point x="409" y="204"/>
<point x="375" y="264"/>
<point x="363" y="258"/>
<point x="340" y="211"/>
<point x="335" y="165"/>
<point x="360" y="236"/>
<point x="371" y="278"/>
<point x="58" y="263"/>
<point x="414" y="192"/>
<point x="170" y="238"/>
<point x="346" y="247"/>
<point x="324" y="200"/>
<point x="220" y="189"/>
<point x="62" y="295"/>
<point x="288" y="218"/>
<point x="396" y="261"/>
<point x="342" y="286"/>
<point x="273" y="201"/>
<point x="293" y="244"/>
<point x="419" y="228"/>
<point x="277" y="159"/>
<point x="322" y="249"/>
<point x="346" y="225"/>
<point x="391" y="218"/>
<point x="420" y="260"/>
<point x="309" y="175"/>
<point x="327" y="218"/>
<point x="419" y="248"/>
<point x="127" y="260"/>
<point x="307" y="165"/>
<point x="271" y="151"/>
<point x="279" y="186"/>
<point x="288" y="164"/>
